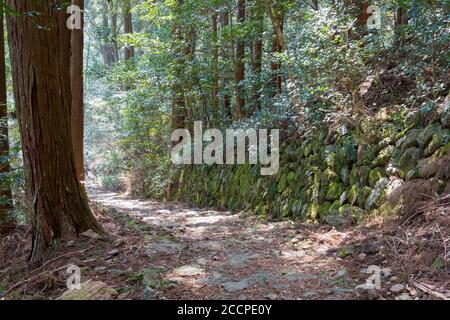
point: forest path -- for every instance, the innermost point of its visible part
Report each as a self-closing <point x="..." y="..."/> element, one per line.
<point x="180" y="252"/>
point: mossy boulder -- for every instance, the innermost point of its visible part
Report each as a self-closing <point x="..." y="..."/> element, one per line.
<point x="438" y="140"/>
<point x="313" y="211"/>
<point x="345" y="175"/>
<point x="367" y="154"/>
<point x="351" y="211"/>
<point x="363" y="195"/>
<point x="364" y="174"/>
<point x="412" y="119"/>
<point x="408" y="162"/>
<point x="369" y="130"/>
<point x="375" y="175"/>
<point x="427" y="134"/>
<point x="343" y="198"/>
<point x="388" y="131"/>
<point x="410" y="140"/>
<point x="334" y="208"/>
<point x="383" y="156"/>
<point x="330" y="156"/>
<point x="324" y="209"/>
<point x="353" y="177"/>
<point x="334" y="191"/>
<point x="352" y="194"/>
<point x="377" y="194"/>
<point x="329" y="176"/>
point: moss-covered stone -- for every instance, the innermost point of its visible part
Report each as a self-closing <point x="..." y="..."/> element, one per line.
<point x="367" y="154"/>
<point x="363" y="194"/>
<point x="383" y="156"/>
<point x="363" y="174"/>
<point x="410" y="140"/>
<point x="345" y="175"/>
<point x="334" y="191"/>
<point x="329" y="176"/>
<point x="378" y="192"/>
<point x="427" y="134"/>
<point x="334" y="208"/>
<point x="343" y="198"/>
<point x="324" y="209"/>
<point x="408" y="162"/>
<point x="346" y="154"/>
<point x="313" y="211"/>
<point x="353" y="177"/>
<point x="412" y="119"/>
<point x="352" y="194"/>
<point x="375" y="175"/>
<point x="439" y="139"/>
<point x="369" y="130"/>
<point x="351" y="211"/>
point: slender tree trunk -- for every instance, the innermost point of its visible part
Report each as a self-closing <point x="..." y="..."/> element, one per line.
<point x="239" y="72"/>
<point x="114" y="31"/>
<point x="215" y="67"/>
<point x="277" y="48"/>
<point x="128" y="28"/>
<point x="105" y="42"/>
<point x="76" y="81"/>
<point x="257" y="54"/>
<point x="291" y="81"/>
<point x="5" y="190"/>
<point x="401" y="19"/>
<point x="178" y="99"/>
<point x="40" y="59"/>
<point x="225" y="21"/>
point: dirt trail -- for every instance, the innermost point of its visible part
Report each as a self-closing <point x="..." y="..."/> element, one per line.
<point x="191" y="253"/>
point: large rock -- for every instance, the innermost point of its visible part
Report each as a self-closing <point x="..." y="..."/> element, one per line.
<point x="375" y="175"/>
<point x="377" y="194"/>
<point x="334" y="191"/>
<point x="427" y="134"/>
<point x="384" y="156"/>
<point x="410" y="140"/>
<point x="363" y="194"/>
<point x="367" y="153"/>
<point x="408" y="162"/>
<point x="235" y="286"/>
<point x="438" y="140"/>
<point x="90" y="290"/>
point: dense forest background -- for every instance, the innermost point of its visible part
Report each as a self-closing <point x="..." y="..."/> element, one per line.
<point x="358" y="89"/>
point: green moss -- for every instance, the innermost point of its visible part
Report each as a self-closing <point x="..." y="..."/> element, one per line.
<point x="353" y="194"/>
<point x="324" y="209"/>
<point x="363" y="195"/>
<point x="408" y="162"/>
<point x="375" y="175"/>
<point x="334" y="191"/>
<point x="384" y="156"/>
<point x="427" y="134"/>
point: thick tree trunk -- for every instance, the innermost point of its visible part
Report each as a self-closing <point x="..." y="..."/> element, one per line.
<point x="76" y="82"/>
<point x="40" y="59"/>
<point x="5" y="190"/>
<point x="239" y="72"/>
<point x="128" y="28"/>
